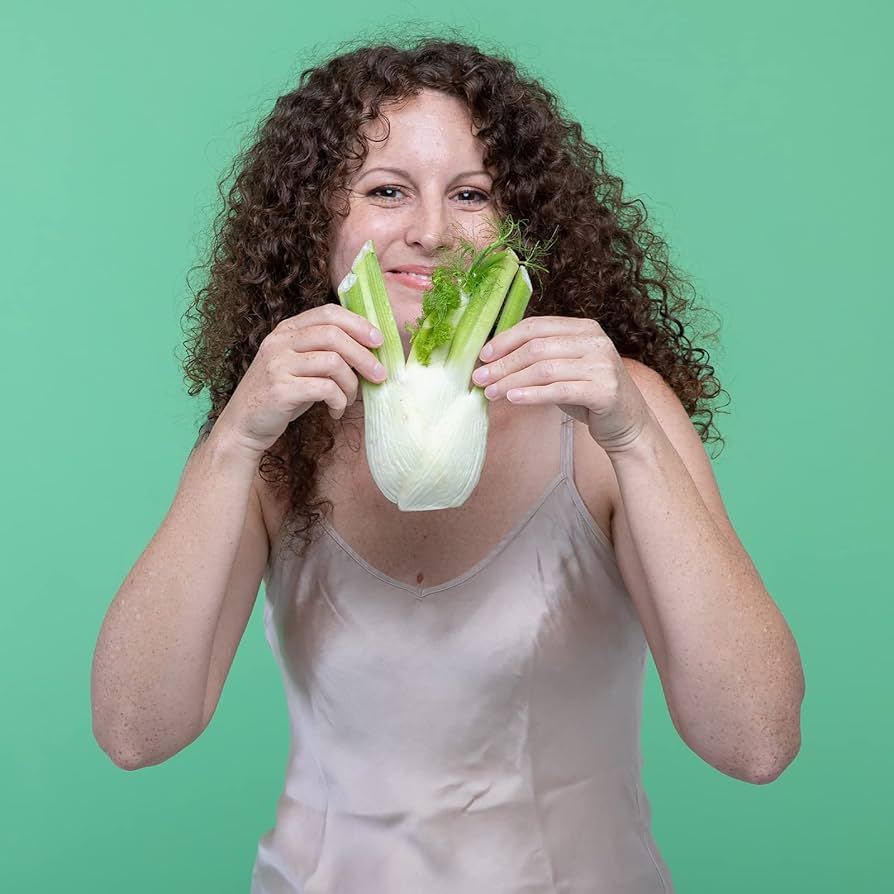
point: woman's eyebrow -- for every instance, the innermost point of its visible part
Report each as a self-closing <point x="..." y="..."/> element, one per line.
<point x="405" y="175"/>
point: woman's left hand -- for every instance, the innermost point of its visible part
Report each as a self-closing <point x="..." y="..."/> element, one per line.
<point x="570" y="362"/>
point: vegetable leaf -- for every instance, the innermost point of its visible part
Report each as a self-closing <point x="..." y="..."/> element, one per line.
<point x="462" y="273"/>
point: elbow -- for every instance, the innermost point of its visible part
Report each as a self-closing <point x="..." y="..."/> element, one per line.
<point x="128" y="758"/>
<point x="136" y="753"/>
<point x="759" y="757"/>
<point x="759" y="745"/>
<point x="132" y="760"/>
<point x="121" y="758"/>
<point x="770" y="765"/>
<point x="120" y="752"/>
<point x="764" y="774"/>
<point x="126" y="762"/>
<point x="779" y="748"/>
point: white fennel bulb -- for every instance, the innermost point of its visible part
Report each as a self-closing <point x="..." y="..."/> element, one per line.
<point x="426" y="424"/>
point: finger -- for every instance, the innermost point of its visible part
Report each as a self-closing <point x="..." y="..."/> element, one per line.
<point x="334" y="338"/>
<point x="575" y="393"/>
<point x="330" y="314"/>
<point x="326" y="365"/>
<point x="532" y="327"/>
<point x="322" y="388"/>
<point x="532" y="352"/>
<point x="544" y="372"/>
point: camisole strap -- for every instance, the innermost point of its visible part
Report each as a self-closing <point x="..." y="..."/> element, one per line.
<point x="567" y="446"/>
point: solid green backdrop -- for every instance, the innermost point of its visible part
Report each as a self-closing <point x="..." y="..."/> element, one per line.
<point x="759" y="137"/>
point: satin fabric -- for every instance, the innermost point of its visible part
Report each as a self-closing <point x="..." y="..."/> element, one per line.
<point x="476" y="737"/>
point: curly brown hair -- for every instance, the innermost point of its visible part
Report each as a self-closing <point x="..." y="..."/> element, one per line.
<point x="269" y="257"/>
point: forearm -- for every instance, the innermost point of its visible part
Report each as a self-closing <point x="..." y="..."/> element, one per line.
<point x="152" y="656"/>
<point x="728" y="661"/>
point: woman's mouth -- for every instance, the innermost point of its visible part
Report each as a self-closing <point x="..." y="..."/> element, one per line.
<point x="413" y="280"/>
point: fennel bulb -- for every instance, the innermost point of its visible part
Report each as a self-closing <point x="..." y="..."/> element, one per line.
<point x="426" y="424"/>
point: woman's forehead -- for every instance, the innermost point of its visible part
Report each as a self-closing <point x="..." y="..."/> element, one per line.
<point x="433" y="129"/>
<point x="430" y="109"/>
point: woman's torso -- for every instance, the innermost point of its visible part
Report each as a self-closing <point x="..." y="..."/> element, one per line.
<point x="464" y="686"/>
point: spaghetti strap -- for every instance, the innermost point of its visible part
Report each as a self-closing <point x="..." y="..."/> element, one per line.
<point x="567" y="446"/>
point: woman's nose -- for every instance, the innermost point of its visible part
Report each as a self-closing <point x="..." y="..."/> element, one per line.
<point x="428" y="227"/>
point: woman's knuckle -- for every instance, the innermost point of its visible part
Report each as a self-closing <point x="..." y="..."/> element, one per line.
<point x="537" y="347"/>
<point x="285" y="328"/>
<point x="319" y="360"/>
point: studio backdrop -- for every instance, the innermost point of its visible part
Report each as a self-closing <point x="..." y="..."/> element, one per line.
<point x="758" y="136"/>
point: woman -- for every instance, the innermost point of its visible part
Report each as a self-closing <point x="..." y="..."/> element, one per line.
<point x="464" y="685"/>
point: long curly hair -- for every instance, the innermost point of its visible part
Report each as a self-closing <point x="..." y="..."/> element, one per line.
<point x="269" y="257"/>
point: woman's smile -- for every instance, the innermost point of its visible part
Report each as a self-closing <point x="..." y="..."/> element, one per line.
<point x="411" y="280"/>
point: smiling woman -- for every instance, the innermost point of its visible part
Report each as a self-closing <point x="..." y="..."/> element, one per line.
<point x="463" y="684"/>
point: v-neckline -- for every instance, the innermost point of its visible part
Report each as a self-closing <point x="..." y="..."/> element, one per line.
<point x="421" y="592"/>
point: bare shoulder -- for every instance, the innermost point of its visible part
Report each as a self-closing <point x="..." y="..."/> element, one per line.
<point x="650" y="382"/>
<point x="658" y="394"/>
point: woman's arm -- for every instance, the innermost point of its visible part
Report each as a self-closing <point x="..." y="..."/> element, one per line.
<point x="159" y="656"/>
<point x="727" y="660"/>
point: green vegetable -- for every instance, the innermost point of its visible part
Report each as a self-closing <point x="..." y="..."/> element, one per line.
<point x="426" y="424"/>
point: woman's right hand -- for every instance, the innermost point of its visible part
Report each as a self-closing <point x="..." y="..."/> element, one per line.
<point x="309" y="357"/>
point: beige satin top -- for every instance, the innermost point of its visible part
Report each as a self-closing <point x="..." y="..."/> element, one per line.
<point x="480" y="736"/>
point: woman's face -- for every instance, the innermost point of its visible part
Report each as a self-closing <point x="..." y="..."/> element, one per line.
<point x="418" y="190"/>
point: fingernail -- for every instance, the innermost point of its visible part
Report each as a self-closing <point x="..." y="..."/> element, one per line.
<point x="481" y="375"/>
<point x="375" y="336"/>
<point x="487" y="352"/>
<point x="379" y="370"/>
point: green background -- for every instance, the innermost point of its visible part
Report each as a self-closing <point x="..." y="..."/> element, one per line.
<point x="759" y="137"/>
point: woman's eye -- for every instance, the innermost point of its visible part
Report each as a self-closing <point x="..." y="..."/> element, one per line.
<point x="480" y="196"/>
<point x="381" y="189"/>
